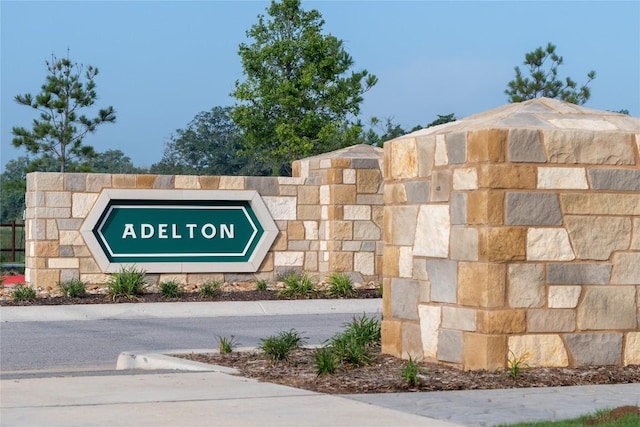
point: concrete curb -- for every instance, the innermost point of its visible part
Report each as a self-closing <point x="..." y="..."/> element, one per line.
<point x="155" y="361"/>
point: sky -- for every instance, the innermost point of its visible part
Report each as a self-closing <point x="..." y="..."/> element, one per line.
<point x="163" y="62"/>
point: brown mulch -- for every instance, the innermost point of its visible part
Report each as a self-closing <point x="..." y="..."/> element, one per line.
<point x="383" y="375"/>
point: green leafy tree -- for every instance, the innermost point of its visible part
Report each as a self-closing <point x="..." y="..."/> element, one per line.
<point x="113" y="161"/>
<point x="58" y="132"/>
<point x="543" y="79"/>
<point x="210" y="145"/>
<point x="299" y="97"/>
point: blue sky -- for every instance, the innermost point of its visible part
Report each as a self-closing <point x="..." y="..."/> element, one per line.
<point x="163" y="62"/>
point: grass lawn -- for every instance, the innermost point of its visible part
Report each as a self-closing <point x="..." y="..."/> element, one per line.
<point x="627" y="416"/>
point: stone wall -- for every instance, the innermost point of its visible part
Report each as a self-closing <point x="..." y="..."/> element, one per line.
<point x="515" y="233"/>
<point x="329" y="216"/>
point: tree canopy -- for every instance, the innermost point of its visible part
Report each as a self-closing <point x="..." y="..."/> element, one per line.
<point x="299" y="97"/>
<point x="69" y="88"/>
<point x="543" y="79"/>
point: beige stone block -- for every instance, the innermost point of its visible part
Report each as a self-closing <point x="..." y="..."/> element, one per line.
<point x="368" y="180"/>
<point x="267" y="263"/>
<point x="340" y="230"/>
<point x="342" y="194"/>
<point x="357" y="212"/>
<point x="394" y="194"/>
<point x="187" y="182"/>
<point x="52" y="229"/>
<point x="295" y="230"/>
<point x="334" y="176"/>
<point x="95" y="279"/>
<point x="348" y="176"/>
<point x="635" y="237"/>
<point x="502" y="243"/>
<point x="308" y="212"/>
<point x="441" y="158"/>
<point x="608" y="308"/>
<point x="232" y="183"/>
<point x="600" y="203"/>
<point x="36" y="229"/>
<point x="82" y="204"/>
<point x="81" y="251"/>
<point x="539" y="351"/>
<point x="333" y="212"/>
<point x="281" y="242"/>
<point x="483" y="351"/>
<point x="46" y="249"/>
<point x="404" y="159"/>
<point x="500" y="321"/>
<point x="308" y="195"/>
<point x="430" y="319"/>
<point x="71" y="238"/>
<point x="405" y="262"/>
<point x="411" y="341"/>
<point x="426" y="146"/>
<point x="399" y="224"/>
<point x="51" y="212"/>
<point x="626" y="270"/>
<point x="464" y="244"/>
<point x="364" y="263"/>
<point x="481" y="284"/>
<point x="88" y="265"/>
<point x="35" y="199"/>
<point x="124" y="181"/>
<point x="390" y="266"/>
<point x="98" y="181"/>
<point x="45" y="181"/>
<point x="45" y="279"/>
<point x="63" y="263"/>
<point x="459" y="318"/>
<point x="145" y="181"/>
<point x="366" y="230"/>
<point x="507" y="176"/>
<point x="58" y="199"/>
<point x="562" y="178"/>
<point x="391" y="332"/>
<point x="526" y="285"/>
<point x="209" y="182"/>
<point x="558" y="320"/>
<point x="296" y="168"/>
<point x="487" y="145"/>
<point x="632" y="349"/>
<point x="288" y="190"/>
<point x="377" y="215"/>
<point x="341" y="261"/>
<point x="597" y="237"/>
<point x="564" y="296"/>
<point x="548" y="244"/>
<point x="340" y="162"/>
<point x="432" y="231"/>
<point x="465" y="179"/>
<point x="289" y="259"/>
<point x="311" y="261"/>
<point x="485" y="207"/>
<point x="587" y="147"/>
<point x="310" y="230"/>
<point x="281" y="208"/>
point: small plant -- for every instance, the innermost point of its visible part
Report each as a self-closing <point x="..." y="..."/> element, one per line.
<point x="340" y="285"/>
<point x="127" y="283"/>
<point x="170" y="289"/>
<point x="326" y="361"/>
<point x="226" y="345"/>
<point x="261" y="285"/>
<point x="23" y="292"/>
<point x="296" y="285"/>
<point x="380" y="290"/>
<point x="515" y="365"/>
<point x="350" y="350"/>
<point x="366" y="330"/>
<point x="409" y="372"/>
<point x="279" y="347"/>
<point x="210" y="288"/>
<point x="72" y="288"/>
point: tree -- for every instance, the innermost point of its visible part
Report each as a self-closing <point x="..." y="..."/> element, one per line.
<point x="60" y="129"/>
<point x="544" y="80"/>
<point x="113" y="161"/>
<point x="298" y="98"/>
<point x="209" y="145"/>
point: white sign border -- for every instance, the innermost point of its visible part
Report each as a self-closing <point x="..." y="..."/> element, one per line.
<point x="255" y="201"/>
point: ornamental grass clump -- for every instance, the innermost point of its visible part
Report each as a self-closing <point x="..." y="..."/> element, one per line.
<point x="410" y="371"/>
<point x="297" y="285"/>
<point x="128" y="283"/>
<point x="22" y="292"/>
<point x="355" y="345"/>
<point x="279" y="347"/>
<point x="227" y="344"/>
<point x="170" y="289"/>
<point x="210" y="288"/>
<point x="261" y="285"/>
<point x="340" y="285"/>
<point x="73" y="288"/>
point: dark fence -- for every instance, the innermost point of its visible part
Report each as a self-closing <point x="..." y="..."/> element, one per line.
<point x="12" y="240"/>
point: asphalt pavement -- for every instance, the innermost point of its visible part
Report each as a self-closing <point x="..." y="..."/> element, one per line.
<point x="157" y="389"/>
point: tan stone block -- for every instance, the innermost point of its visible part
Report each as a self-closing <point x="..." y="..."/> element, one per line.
<point x="209" y="182"/>
<point x="45" y="181"/>
<point x="635" y="238"/>
<point x="403" y="159"/>
<point x="487" y="145"/>
<point x="342" y="194"/>
<point x="483" y="351"/>
<point x="391" y="331"/>
<point x="507" y="176"/>
<point x="632" y="349"/>
<point x="597" y="237"/>
<point x="608" y="308"/>
<point x="81" y="251"/>
<point x="145" y="181"/>
<point x="123" y="181"/>
<point x="308" y="195"/>
<point x="52" y="229"/>
<point x="502" y="243"/>
<point x="481" y="284"/>
<point x="426" y="146"/>
<point x="576" y="146"/>
<point x="411" y="341"/>
<point x="395" y="194"/>
<point x="309" y="212"/>
<point x="340" y="162"/>
<point x="539" y="350"/>
<point x="296" y="168"/>
<point x="82" y="204"/>
<point x="70" y="238"/>
<point x="391" y="266"/>
<point x="58" y="199"/>
<point x="500" y="321"/>
<point x="340" y="230"/>
<point x="334" y="176"/>
<point x="485" y="207"/>
<point x="63" y="263"/>
<point x="267" y="263"/>
<point x="46" y="249"/>
<point x="45" y="279"/>
<point x="188" y="182"/>
<point x="600" y="203"/>
<point x="98" y="181"/>
<point x="88" y="265"/>
<point x="341" y="261"/>
<point x="295" y="230"/>
<point x="558" y="320"/>
<point x="280" y="243"/>
<point x="368" y="180"/>
<point x="232" y="183"/>
<point x="95" y="279"/>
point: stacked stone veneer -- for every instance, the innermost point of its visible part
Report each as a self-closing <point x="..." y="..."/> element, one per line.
<point x="329" y="216"/>
<point x="515" y="233"/>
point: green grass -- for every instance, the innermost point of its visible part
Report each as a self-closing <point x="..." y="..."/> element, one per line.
<point x="600" y="419"/>
<point x="127" y="283"/>
<point x="72" y="288"/>
<point x="409" y="372"/>
<point x="261" y="285"/>
<point x="355" y="344"/>
<point x="210" y="288"/>
<point x="340" y="285"/>
<point x="297" y="285"/>
<point x="326" y="361"/>
<point x="22" y="292"/>
<point x="170" y="289"/>
<point x="227" y="344"/>
<point x="279" y="347"/>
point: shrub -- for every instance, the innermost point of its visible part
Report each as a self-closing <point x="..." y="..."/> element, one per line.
<point x="72" y="288"/>
<point x="340" y="285"/>
<point x="326" y="361"/>
<point x="23" y="292"/>
<point x="279" y="347"/>
<point x="226" y="345"/>
<point x="210" y="288"/>
<point x="127" y="283"/>
<point x="170" y="289"/>
<point x="296" y="285"/>
<point x="261" y="285"/>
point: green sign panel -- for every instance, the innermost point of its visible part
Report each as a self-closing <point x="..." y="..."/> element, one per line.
<point x="178" y="231"/>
